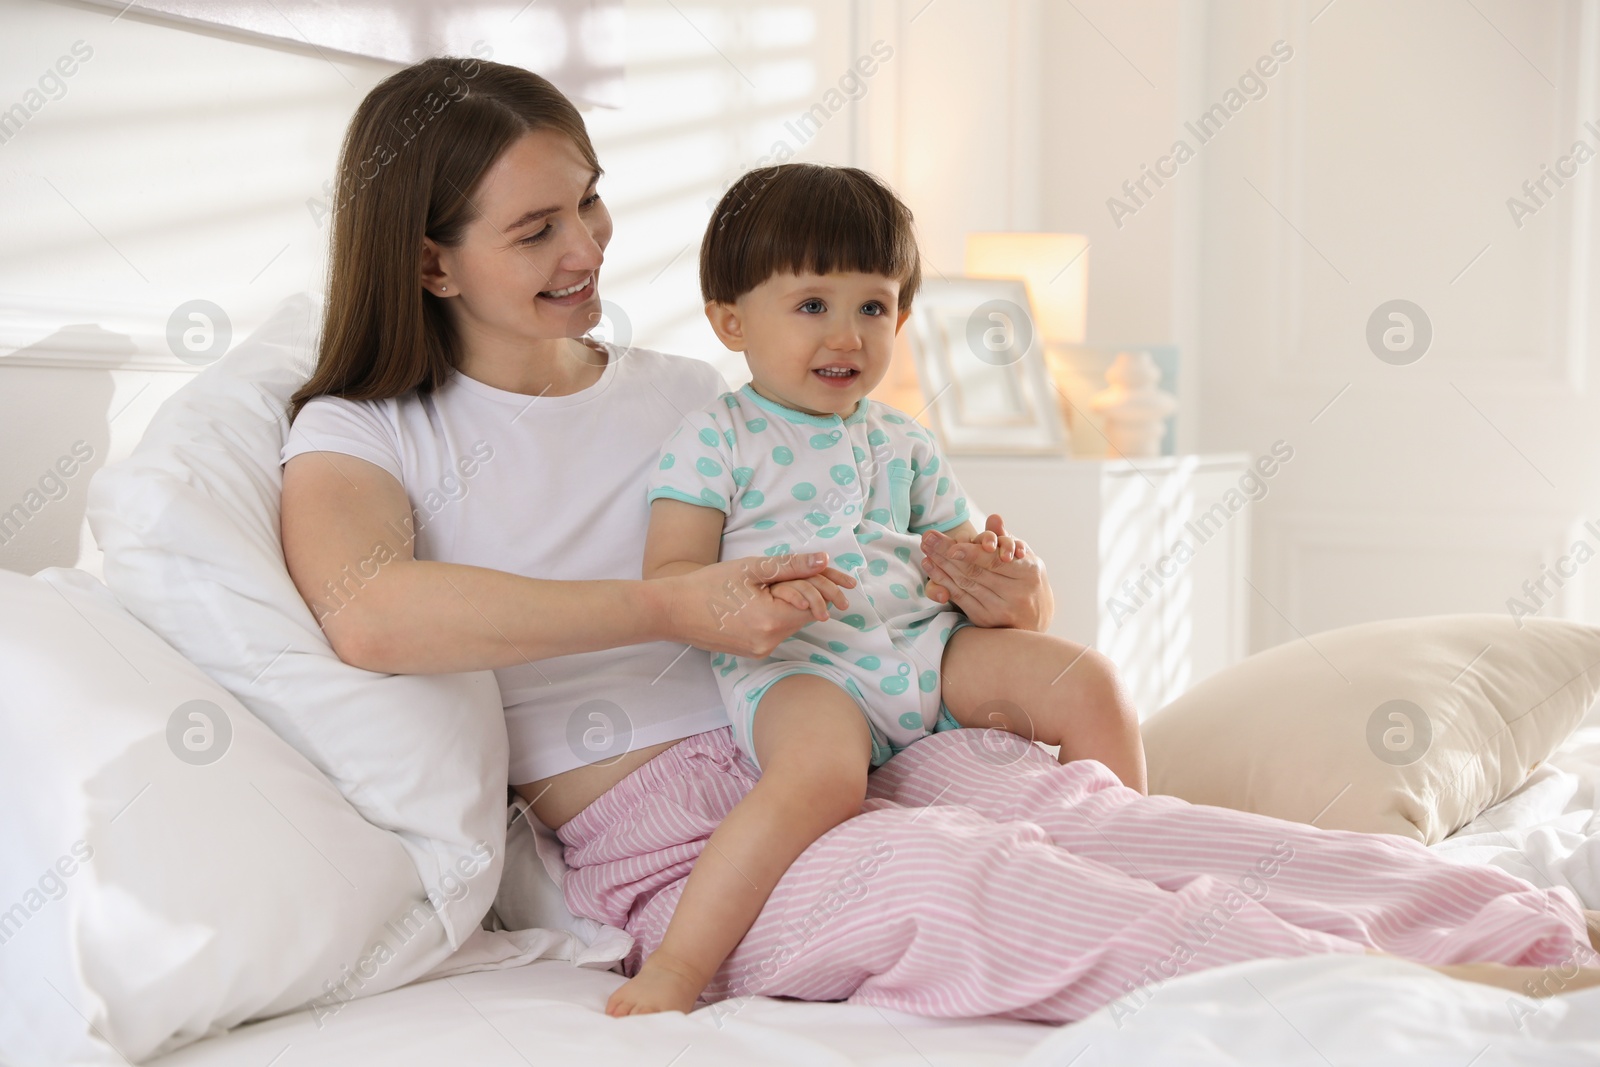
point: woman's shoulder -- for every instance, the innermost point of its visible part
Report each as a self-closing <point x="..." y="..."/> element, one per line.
<point x="689" y="383"/>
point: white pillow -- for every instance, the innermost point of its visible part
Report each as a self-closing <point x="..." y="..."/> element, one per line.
<point x="163" y="876"/>
<point x="189" y="527"/>
<point x="1404" y="726"/>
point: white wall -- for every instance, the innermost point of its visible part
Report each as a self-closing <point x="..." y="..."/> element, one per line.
<point x="178" y="165"/>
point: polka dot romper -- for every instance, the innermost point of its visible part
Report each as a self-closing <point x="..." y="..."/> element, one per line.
<point x="862" y="488"/>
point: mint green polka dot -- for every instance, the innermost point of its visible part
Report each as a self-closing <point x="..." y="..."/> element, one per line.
<point x="839" y="647"/>
<point x="861" y="457"/>
<point x="714" y="498"/>
<point x="922" y="588"/>
<point x="871" y="663"/>
<point x="707" y="466"/>
<point x="778" y="549"/>
<point x="878" y="567"/>
<point x="868" y="537"/>
<point x="842" y="474"/>
<point x="742" y="475"/>
<point x="730" y="400"/>
<point x="900" y="591"/>
<point x="941" y="487"/>
<point x="903" y="553"/>
<point x="932" y="466"/>
<point x="732" y="663"/>
<point x="848" y="561"/>
<point x="944" y="635"/>
<point x="817" y="657"/>
<point x="761" y="524"/>
<point x="859" y="622"/>
<point x="824" y="440"/>
<point x="894" y="685"/>
<point x="961" y="505"/>
<point x="918" y="435"/>
<point x="828" y="531"/>
<point x="727" y="435"/>
<point x="919" y="624"/>
<point x="756" y="425"/>
<point x="891" y="417"/>
<point x="708" y="436"/>
<point x="928" y="681"/>
<point x="816" y="518"/>
<point x="754" y="498"/>
<point x="782" y="456"/>
<point x="667" y="461"/>
<point x="911" y="720"/>
<point x="877" y="437"/>
<point x="880" y="515"/>
<point x="803" y="490"/>
<point x="900" y="463"/>
<point x="917" y="510"/>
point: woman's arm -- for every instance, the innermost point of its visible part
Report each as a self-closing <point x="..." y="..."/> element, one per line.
<point x="347" y="541"/>
<point x="685" y="538"/>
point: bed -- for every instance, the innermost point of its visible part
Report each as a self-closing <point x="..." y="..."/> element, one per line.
<point x="1270" y="1012"/>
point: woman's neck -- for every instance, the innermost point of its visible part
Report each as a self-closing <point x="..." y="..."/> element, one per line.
<point x="556" y="367"/>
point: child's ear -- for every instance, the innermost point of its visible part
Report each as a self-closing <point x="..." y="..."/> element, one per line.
<point x="725" y="322"/>
<point x="905" y="313"/>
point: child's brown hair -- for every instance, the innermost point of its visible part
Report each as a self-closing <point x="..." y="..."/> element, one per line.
<point x="806" y="218"/>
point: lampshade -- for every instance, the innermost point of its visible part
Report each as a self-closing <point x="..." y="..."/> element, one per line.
<point x="1055" y="267"/>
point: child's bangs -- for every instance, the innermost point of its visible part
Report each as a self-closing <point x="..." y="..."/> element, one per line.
<point x="802" y="218"/>
<point x="839" y="229"/>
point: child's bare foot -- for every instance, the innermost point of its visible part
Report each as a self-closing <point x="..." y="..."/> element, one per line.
<point x="659" y="986"/>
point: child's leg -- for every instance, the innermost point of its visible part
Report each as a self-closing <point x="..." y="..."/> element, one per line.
<point x="1045" y="689"/>
<point x="815" y="750"/>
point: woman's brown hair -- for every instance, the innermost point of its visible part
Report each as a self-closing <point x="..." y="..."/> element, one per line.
<point x="415" y="151"/>
<point x="807" y="218"/>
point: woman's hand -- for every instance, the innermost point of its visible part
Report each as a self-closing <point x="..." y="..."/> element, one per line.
<point x="730" y="607"/>
<point x="994" y="579"/>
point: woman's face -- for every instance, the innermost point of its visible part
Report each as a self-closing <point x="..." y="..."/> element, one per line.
<point x="528" y="265"/>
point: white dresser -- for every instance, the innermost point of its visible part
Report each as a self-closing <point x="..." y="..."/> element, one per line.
<point x="1147" y="558"/>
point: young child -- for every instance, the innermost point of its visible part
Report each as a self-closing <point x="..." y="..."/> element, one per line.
<point x="810" y="272"/>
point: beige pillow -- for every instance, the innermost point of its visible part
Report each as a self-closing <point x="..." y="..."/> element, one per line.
<point x="1408" y="726"/>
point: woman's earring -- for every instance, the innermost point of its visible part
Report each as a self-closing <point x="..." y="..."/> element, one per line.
<point x="442" y="288"/>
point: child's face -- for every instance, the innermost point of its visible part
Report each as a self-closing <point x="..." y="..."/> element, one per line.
<point x="814" y="342"/>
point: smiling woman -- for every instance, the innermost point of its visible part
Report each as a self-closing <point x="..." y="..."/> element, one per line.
<point x="502" y="117"/>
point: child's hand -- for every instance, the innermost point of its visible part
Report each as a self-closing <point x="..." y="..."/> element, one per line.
<point x="992" y="550"/>
<point x="809" y="595"/>
<point x="994" y="578"/>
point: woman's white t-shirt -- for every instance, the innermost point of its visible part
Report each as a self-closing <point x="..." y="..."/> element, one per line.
<point x="546" y="487"/>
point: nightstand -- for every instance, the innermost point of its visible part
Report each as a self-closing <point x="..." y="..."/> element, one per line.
<point x="1147" y="558"/>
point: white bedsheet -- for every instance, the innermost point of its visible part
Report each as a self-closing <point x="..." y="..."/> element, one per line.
<point x="1321" y="1011"/>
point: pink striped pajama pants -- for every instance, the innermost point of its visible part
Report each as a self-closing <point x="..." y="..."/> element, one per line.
<point x="982" y="879"/>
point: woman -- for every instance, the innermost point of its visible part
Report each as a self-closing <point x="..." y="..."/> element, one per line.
<point x="461" y="430"/>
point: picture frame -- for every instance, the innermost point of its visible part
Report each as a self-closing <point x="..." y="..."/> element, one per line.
<point x="980" y="362"/>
